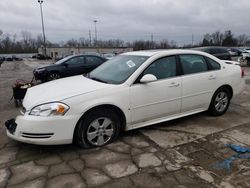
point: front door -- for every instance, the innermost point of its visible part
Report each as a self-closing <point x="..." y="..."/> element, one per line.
<point x="74" y="66"/>
<point x="160" y="98"/>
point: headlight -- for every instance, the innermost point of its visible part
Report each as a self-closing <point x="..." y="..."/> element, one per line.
<point x="49" y="109"/>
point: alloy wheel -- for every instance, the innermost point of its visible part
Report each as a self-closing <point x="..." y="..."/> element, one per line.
<point x="100" y="131"/>
<point x="221" y="101"/>
<point x="54" y="76"/>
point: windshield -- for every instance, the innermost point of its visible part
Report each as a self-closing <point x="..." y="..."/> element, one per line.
<point x="63" y="60"/>
<point x="118" y="69"/>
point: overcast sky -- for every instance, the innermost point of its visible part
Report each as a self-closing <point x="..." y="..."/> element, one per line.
<point x="126" y="19"/>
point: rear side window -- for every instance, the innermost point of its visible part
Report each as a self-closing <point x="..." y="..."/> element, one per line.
<point x="213" y="65"/>
<point x="193" y="64"/>
<point x="222" y="50"/>
<point x="92" y="60"/>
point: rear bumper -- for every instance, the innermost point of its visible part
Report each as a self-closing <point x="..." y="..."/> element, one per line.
<point x="42" y="130"/>
<point x="238" y="89"/>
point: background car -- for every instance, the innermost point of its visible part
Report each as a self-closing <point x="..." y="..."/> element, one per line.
<point x="40" y="57"/>
<point x="16" y="58"/>
<point x="244" y="58"/>
<point x="69" y="66"/>
<point x="9" y="58"/>
<point x="109" y="55"/>
<point x="234" y="51"/>
<point x="1" y="60"/>
<point x="219" y="52"/>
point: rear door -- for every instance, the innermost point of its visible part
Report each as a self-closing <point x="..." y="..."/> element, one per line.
<point x="198" y="82"/>
<point x="91" y="62"/>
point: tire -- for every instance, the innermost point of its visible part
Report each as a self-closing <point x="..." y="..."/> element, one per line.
<point x="98" y="128"/>
<point x="53" y="76"/>
<point x="220" y="102"/>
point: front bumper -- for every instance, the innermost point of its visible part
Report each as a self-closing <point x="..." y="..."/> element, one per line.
<point x="42" y="130"/>
<point x="40" y="75"/>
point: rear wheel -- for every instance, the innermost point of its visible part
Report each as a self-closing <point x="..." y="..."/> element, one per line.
<point x="53" y="76"/>
<point x="97" y="128"/>
<point x="220" y="102"/>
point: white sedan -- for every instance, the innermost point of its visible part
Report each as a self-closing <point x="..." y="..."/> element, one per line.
<point x="132" y="90"/>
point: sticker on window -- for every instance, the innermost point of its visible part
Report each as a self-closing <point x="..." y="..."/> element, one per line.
<point x="130" y="63"/>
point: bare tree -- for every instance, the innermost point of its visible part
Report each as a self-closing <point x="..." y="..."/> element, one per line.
<point x="242" y="40"/>
<point x="217" y="38"/>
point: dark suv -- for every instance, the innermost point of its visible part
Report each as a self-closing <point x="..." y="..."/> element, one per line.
<point x="219" y="52"/>
<point x="69" y="66"/>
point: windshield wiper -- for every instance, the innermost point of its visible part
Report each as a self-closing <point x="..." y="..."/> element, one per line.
<point x="97" y="79"/>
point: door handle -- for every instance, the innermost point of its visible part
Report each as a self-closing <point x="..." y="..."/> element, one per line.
<point x="212" y="77"/>
<point x="174" y="84"/>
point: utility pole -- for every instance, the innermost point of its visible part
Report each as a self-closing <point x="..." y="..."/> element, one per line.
<point x="95" y="21"/>
<point x="90" y="38"/>
<point x="152" y="40"/>
<point x="192" y="39"/>
<point x="44" y="39"/>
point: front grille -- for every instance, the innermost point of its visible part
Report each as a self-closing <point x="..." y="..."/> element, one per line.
<point x="11" y="125"/>
<point x="37" y="135"/>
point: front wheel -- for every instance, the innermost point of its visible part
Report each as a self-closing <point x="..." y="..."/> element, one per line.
<point x="220" y="102"/>
<point x="97" y="128"/>
<point x="53" y="76"/>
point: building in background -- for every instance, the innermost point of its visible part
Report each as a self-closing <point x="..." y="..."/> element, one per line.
<point x="57" y="53"/>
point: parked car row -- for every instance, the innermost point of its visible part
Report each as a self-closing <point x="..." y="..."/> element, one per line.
<point x="227" y="53"/>
<point x="10" y="58"/>
<point x="219" y="52"/>
<point x="40" y="57"/>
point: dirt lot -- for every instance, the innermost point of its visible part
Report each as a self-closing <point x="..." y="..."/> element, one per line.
<point x="189" y="152"/>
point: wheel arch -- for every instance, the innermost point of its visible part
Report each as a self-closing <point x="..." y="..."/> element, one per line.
<point x="114" y="108"/>
<point x="54" y="71"/>
<point x="228" y="87"/>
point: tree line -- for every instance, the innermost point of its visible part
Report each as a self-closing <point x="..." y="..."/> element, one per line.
<point x="29" y="44"/>
<point x="225" y="39"/>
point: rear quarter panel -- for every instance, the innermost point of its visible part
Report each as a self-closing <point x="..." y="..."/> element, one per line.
<point x="231" y="75"/>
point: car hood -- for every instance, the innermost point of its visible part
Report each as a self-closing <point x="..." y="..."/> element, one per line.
<point x="45" y="66"/>
<point x="59" y="90"/>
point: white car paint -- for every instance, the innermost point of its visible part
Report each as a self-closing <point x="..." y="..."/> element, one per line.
<point x="142" y="104"/>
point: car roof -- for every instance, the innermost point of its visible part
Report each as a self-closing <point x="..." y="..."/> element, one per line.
<point x="164" y="51"/>
<point x="76" y="55"/>
<point x="209" y="47"/>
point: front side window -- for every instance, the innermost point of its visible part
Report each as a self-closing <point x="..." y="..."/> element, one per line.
<point x="63" y="60"/>
<point x="193" y="64"/>
<point x="162" y="68"/>
<point x="118" y="69"/>
<point x="75" y="61"/>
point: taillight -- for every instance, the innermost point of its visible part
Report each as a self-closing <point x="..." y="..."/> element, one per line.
<point x="242" y="72"/>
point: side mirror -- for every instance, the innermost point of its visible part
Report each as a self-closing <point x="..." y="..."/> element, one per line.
<point x="148" y="78"/>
